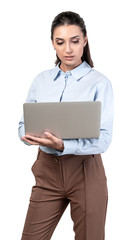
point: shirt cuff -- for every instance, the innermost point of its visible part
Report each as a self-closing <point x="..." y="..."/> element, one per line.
<point x="21" y="133"/>
<point x="70" y="147"/>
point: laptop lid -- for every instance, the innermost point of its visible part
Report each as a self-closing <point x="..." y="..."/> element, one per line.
<point x="66" y="120"/>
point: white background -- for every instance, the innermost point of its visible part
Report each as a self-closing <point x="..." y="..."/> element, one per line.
<point x="26" y="50"/>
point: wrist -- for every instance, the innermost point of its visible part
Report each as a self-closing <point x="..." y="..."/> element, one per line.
<point x="60" y="147"/>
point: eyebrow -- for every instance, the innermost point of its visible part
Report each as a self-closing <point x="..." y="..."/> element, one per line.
<point x="70" y="38"/>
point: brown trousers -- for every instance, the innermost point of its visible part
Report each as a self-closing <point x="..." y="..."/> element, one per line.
<point x="76" y="179"/>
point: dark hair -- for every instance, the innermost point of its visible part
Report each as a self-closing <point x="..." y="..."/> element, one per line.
<point x="72" y="18"/>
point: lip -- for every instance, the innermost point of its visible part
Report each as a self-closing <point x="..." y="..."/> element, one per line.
<point x="68" y="57"/>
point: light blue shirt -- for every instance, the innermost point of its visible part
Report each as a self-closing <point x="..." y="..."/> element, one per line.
<point x="83" y="83"/>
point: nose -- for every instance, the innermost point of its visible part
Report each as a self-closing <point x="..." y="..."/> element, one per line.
<point x="68" y="48"/>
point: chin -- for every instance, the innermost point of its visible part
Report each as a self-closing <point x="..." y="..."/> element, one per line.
<point x="71" y="63"/>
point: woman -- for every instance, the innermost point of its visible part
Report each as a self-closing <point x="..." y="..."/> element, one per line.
<point x="69" y="171"/>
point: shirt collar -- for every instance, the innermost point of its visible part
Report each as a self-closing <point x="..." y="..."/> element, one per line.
<point x="77" y="72"/>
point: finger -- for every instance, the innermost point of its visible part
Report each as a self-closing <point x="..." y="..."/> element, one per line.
<point x="30" y="141"/>
<point x="35" y="139"/>
<point x="49" y="141"/>
<point x="39" y="141"/>
<point x="51" y="136"/>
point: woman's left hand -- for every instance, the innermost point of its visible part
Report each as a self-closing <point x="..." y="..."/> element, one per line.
<point x="49" y="141"/>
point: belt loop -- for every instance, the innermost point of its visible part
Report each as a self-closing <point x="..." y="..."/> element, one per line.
<point x="57" y="159"/>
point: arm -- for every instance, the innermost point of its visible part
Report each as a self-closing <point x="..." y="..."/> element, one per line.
<point x="30" y="98"/>
<point x="49" y="142"/>
<point x="104" y="94"/>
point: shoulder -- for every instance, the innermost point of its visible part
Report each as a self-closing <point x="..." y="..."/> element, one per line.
<point x="99" y="80"/>
<point x="45" y="73"/>
<point x="99" y="77"/>
<point x="44" y="77"/>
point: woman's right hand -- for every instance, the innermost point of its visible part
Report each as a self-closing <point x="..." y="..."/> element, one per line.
<point x="49" y="141"/>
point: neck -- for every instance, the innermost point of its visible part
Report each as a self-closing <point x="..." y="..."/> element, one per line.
<point x="66" y="68"/>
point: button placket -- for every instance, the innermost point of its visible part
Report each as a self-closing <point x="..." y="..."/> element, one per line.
<point x="59" y="161"/>
<point x="66" y="79"/>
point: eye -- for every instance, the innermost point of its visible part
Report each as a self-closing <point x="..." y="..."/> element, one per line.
<point x="75" y="41"/>
<point x="59" y="43"/>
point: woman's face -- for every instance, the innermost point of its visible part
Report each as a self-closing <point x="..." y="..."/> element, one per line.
<point x="69" y="42"/>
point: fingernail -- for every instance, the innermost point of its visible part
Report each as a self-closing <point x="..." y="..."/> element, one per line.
<point x="46" y="133"/>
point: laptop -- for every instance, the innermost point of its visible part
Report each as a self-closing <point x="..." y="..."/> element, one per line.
<point x="66" y="120"/>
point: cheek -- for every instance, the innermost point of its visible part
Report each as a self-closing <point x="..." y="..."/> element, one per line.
<point x="79" y="51"/>
<point x="59" y="54"/>
<point x="59" y="51"/>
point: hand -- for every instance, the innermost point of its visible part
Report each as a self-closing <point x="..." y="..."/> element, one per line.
<point x="49" y="141"/>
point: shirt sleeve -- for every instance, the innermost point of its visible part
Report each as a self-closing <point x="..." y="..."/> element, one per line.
<point x="104" y="93"/>
<point x="30" y="98"/>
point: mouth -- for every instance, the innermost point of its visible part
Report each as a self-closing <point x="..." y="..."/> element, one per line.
<point x="69" y="57"/>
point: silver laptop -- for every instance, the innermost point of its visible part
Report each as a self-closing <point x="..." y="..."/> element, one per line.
<point x="66" y="120"/>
